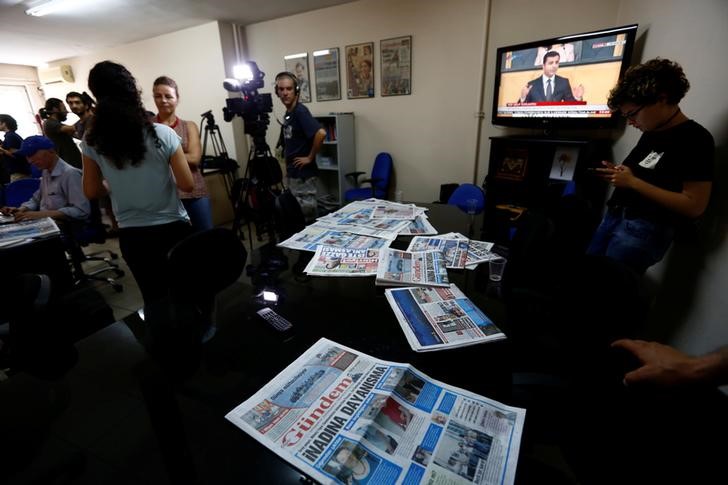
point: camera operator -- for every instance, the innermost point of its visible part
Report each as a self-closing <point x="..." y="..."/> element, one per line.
<point x="302" y="139"/>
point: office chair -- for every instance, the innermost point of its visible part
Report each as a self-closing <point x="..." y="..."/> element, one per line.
<point x="93" y="232"/>
<point x="289" y="216"/>
<point x="198" y="268"/>
<point x="379" y="180"/>
<point x="20" y="191"/>
<point x="446" y="191"/>
<point x="464" y="193"/>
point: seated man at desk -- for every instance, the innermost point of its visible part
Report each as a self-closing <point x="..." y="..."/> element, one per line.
<point x="60" y="195"/>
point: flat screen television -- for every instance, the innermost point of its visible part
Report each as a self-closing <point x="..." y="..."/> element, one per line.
<point x="587" y="66"/>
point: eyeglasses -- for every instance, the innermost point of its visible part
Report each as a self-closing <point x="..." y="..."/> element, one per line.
<point x="633" y="113"/>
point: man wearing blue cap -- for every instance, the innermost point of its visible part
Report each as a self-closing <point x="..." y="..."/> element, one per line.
<point x="60" y="195"/>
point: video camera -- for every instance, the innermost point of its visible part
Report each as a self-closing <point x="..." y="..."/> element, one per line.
<point x="254" y="108"/>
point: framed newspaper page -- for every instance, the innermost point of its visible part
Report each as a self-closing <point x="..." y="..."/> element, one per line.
<point x="298" y="65"/>
<point x="328" y="78"/>
<point x="395" y="56"/>
<point x="360" y="70"/>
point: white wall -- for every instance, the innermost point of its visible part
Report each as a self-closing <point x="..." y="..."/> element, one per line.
<point x="431" y="133"/>
<point x="193" y="57"/>
<point x="691" y="309"/>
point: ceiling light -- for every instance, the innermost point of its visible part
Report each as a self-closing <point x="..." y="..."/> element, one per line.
<point x="324" y="52"/>
<point x="295" y="56"/>
<point x="50" y="6"/>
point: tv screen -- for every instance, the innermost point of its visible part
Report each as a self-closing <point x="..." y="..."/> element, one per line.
<point x="561" y="82"/>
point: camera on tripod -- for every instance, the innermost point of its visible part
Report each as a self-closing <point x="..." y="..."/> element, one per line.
<point x="253" y="107"/>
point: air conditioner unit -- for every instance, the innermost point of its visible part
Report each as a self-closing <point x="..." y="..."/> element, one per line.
<point x="56" y="74"/>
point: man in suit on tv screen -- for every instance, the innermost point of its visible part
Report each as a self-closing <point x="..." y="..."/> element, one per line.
<point x="549" y="86"/>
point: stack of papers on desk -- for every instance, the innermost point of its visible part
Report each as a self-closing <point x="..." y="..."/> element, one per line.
<point x="25" y="231"/>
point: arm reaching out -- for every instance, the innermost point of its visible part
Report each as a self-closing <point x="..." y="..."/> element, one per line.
<point x="666" y="366"/>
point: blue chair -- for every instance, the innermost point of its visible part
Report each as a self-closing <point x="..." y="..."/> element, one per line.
<point x="379" y="181"/>
<point x="464" y="193"/>
<point x="20" y="191"/>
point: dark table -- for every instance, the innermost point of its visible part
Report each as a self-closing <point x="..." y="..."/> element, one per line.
<point x="186" y="396"/>
<point x="246" y="353"/>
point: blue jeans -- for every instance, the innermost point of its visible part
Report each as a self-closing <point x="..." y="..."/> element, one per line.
<point x="638" y="243"/>
<point x="200" y="213"/>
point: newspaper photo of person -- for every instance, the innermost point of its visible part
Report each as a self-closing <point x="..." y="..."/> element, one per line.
<point x="463" y="451"/>
<point x="351" y="464"/>
<point x="360" y="70"/>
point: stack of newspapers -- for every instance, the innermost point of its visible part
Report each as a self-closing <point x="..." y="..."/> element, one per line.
<point x="354" y="241"/>
<point x="433" y="313"/>
<point x="342" y="416"/>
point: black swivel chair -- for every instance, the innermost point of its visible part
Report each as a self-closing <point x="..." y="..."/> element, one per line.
<point x="93" y="232"/>
<point x="200" y="267"/>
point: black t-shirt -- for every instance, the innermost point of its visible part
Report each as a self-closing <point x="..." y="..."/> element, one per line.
<point x="666" y="159"/>
<point x="65" y="146"/>
<point x="299" y="128"/>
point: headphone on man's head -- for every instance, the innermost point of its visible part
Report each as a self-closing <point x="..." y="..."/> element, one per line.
<point x="293" y="78"/>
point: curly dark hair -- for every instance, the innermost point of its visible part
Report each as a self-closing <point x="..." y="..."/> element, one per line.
<point x="9" y="121"/>
<point x="645" y="84"/>
<point x="118" y="130"/>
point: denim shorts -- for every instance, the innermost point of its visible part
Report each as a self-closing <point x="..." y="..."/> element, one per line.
<point x="634" y="241"/>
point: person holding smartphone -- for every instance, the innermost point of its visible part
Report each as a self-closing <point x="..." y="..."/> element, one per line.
<point x="666" y="180"/>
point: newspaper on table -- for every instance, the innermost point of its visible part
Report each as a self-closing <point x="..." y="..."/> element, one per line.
<point x="478" y="251"/>
<point x="454" y="251"/>
<point x="420" y="226"/>
<point x="440" y="318"/>
<point x="333" y="225"/>
<point x="360" y="222"/>
<point x="331" y="261"/>
<point x="342" y="416"/>
<point x="313" y="236"/>
<point x="393" y="210"/>
<point x="19" y="232"/>
<point x="403" y="268"/>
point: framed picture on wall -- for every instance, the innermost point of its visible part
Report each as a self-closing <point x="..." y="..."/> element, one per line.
<point x="513" y="165"/>
<point x="360" y="70"/>
<point x="298" y="65"/>
<point x="564" y="163"/>
<point x="395" y="56"/>
<point x="328" y="77"/>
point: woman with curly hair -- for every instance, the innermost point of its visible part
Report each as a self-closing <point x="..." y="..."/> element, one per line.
<point x="196" y="201"/>
<point x="143" y="165"/>
<point x="665" y="181"/>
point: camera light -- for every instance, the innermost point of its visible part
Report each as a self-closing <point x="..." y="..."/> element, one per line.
<point x="270" y="296"/>
<point x="243" y="72"/>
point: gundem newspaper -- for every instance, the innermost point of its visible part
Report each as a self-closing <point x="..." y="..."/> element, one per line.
<point x="341" y="416"/>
